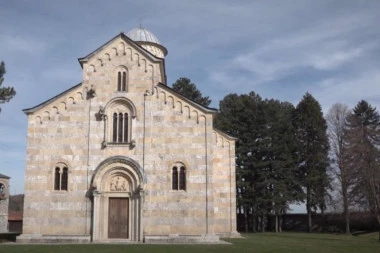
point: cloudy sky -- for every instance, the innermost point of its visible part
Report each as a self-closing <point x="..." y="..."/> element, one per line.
<point x="278" y="48"/>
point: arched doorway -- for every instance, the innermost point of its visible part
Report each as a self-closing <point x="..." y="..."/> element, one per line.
<point x="117" y="200"/>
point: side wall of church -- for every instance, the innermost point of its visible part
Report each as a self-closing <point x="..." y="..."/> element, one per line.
<point x="224" y="184"/>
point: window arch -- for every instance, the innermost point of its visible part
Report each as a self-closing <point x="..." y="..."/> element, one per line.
<point x="61" y="177"/>
<point x="122" y="80"/>
<point x="120" y="113"/>
<point x="178" y="177"/>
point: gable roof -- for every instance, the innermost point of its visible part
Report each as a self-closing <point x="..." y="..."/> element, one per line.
<point x="124" y="37"/>
<point x="35" y="108"/>
<point x="4" y="176"/>
<point x="190" y="101"/>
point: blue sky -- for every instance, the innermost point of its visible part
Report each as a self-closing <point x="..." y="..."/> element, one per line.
<point x="279" y="49"/>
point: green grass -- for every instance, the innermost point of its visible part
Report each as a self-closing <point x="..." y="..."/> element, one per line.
<point x="260" y="242"/>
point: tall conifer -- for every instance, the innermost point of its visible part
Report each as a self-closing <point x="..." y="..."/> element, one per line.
<point x="313" y="146"/>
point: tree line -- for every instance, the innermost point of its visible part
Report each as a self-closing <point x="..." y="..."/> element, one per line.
<point x="288" y="154"/>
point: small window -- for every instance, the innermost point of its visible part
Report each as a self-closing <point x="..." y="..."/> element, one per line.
<point x="121" y="81"/>
<point x="61" y="178"/>
<point x="179" y="178"/>
<point x="175" y="179"/>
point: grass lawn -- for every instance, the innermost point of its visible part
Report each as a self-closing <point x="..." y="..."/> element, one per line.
<point x="260" y="242"/>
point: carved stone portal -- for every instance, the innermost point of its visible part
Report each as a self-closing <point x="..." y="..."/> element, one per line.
<point x="119" y="184"/>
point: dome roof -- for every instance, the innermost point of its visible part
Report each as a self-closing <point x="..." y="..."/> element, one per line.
<point x="148" y="41"/>
<point x="142" y="34"/>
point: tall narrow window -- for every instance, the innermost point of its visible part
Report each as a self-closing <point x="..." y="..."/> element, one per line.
<point x="119" y="81"/>
<point x="120" y="130"/>
<point x="182" y="178"/>
<point x="125" y="137"/>
<point x="124" y="82"/>
<point x="175" y="179"/>
<point x="57" y="179"/>
<point x="179" y="177"/>
<point x="64" y="179"/>
<point x="114" y="126"/>
<point x="61" y="177"/>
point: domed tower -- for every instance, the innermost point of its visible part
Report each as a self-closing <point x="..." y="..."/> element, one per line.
<point x="148" y="41"/>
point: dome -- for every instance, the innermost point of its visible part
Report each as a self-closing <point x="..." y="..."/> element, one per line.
<point x="148" y="41"/>
<point x="141" y="34"/>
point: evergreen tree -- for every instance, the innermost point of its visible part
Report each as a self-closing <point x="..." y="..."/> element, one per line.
<point x="313" y="146"/>
<point x="188" y="89"/>
<point x="265" y="153"/>
<point x="6" y="93"/>
<point x="280" y="157"/>
<point x="364" y="156"/>
<point x="238" y="117"/>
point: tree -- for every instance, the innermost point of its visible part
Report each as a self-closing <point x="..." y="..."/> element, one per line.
<point x="364" y="156"/>
<point x="238" y="116"/>
<point x="265" y="153"/>
<point x="6" y="93"/>
<point x="188" y="89"/>
<point x="278" y="159"/>
<point x="337" y="131"/>
<point x="313" y="146"/>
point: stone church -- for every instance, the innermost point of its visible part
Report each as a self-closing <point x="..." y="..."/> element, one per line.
<point x="123" y="157"/>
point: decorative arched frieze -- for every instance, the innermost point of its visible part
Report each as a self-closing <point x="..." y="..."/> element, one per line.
<point x="114" y="51"/>
<point x="187" y="110"/>
<point x="195" y="113"/>
<point x="171" y="101"/>
<point x="179" y="103"/>
<point x="46" y="115"/>
<point x="55" y="111"/>
<point x="144" y="65"/>
<point x="79" y="96"/>
<point x="122" y="48"/>
<point x="107" y="57"/>
<point x="62" y="106"/>
<point x="99" y="62"/>
<point x="151" y="70"/>
<point x="137" y="56"/>
<point x="91" y="68"/>
<point x="38" y="120"/>
<point x="163" y="94"/>
<point x="129" y="53"/>
<point x="70" y="100"/>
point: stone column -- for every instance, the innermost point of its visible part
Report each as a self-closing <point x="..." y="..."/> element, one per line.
<point x="95" y="213"/>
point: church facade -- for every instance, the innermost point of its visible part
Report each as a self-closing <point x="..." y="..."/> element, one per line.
<point x="122" y="156"/>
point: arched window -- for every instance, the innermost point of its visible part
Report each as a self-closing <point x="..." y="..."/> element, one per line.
<point x="175" y="179"/>
<point x="61" y="177"/>
<point x="182" y="178"/>
<point x="120" y="128"/>
<point x="122" y="80"/>
<point x="118" y="122"/>
<point x="179" y="177"/>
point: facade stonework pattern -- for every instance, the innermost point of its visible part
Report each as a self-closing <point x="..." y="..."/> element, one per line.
<point x="130" y="181"/>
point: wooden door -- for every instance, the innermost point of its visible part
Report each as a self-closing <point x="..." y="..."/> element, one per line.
<point x="118" y="218"/>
